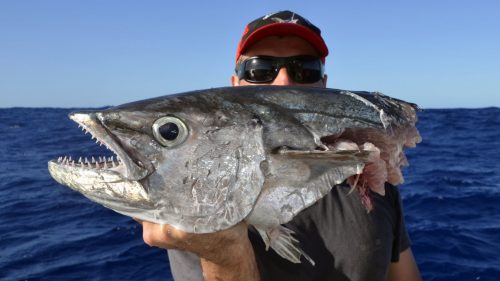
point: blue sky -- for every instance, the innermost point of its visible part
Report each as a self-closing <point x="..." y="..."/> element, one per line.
<point x="68" y="53"/>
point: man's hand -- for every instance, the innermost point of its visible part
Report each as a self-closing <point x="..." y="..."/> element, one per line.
<point x="225" y="255"/>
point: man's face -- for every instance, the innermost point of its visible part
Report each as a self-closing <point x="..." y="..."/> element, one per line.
<point x="280" y="46"/>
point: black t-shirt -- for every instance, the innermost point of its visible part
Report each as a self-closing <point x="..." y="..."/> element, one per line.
<point x="345" y="241"/>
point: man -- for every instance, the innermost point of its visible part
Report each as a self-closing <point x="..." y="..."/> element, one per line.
<point x="345" y="241"/>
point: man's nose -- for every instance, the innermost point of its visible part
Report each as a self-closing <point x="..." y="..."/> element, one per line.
<point x="283" y="78"/>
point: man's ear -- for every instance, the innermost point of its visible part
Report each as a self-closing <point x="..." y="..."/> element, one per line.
<point x="325" y="78"/>
<point x="235" y="81"/>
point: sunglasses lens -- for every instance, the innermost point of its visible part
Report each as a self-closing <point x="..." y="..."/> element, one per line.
<point x="305" y="70"/>
<point x="259" y="70"/>
<point x="302" y="69"/>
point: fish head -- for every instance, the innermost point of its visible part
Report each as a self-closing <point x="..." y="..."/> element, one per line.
<point x="179" y="163"/>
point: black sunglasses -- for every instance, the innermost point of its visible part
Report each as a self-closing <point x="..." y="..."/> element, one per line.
<point x="264" y="69"/>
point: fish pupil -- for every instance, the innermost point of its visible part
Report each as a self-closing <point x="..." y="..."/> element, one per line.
<point x="169" y="131"/>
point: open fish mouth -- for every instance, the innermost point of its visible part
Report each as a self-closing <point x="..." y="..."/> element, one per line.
<point x="101" y="178"/>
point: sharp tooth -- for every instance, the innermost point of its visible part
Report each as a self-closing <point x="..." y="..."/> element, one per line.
<point x="73" y="163"/>
<point x="100" y="159"/>
<point x="105" y="165"/>
<point x="70" y="159"/>
<point x="93" y="159"/>
<point x="80" y="160"/>
<point x="86" y="160"/>
<point x="59" y="159"/>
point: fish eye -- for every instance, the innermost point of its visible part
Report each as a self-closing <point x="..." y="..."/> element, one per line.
<point x="169" y="131"/>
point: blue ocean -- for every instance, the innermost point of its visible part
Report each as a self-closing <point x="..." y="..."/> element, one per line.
<point x="48" y="232"/>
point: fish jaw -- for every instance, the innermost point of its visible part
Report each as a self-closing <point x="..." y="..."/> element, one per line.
<point x="91" y="122"/>
<point x="114" y="184"/>
<point x="97" y="184"/>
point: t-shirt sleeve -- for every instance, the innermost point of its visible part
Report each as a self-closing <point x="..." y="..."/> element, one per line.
<point x="184" y="266"/>
<point x="401" y="238"/>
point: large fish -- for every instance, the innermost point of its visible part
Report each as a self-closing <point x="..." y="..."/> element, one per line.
<point x="204" y="161"/>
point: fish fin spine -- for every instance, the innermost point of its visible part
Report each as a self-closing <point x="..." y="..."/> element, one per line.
<point x="281" y="240"/>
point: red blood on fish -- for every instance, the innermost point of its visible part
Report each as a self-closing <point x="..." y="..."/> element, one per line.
<point x="385" y="161"/>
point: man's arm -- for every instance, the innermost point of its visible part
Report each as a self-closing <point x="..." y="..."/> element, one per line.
<point x="239" y="264"/>
<point x="225" y="255"/>
<point x="405" y="269"/>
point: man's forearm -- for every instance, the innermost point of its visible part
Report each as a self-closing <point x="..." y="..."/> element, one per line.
<point x="225" y="255"/>
<point x="237" y="263"/>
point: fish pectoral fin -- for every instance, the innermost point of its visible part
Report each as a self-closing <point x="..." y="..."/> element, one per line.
<point x="281" y="240"/>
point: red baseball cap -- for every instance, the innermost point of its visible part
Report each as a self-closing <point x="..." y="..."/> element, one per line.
<point x="282" y="23"/>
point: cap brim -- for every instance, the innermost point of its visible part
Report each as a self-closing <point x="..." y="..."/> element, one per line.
<point x="281" y="29"/>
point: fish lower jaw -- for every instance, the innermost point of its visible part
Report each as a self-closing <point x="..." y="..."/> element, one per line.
<point x="105" y="186"/>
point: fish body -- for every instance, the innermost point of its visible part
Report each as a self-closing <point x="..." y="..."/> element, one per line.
<point x="204" y="161"/>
